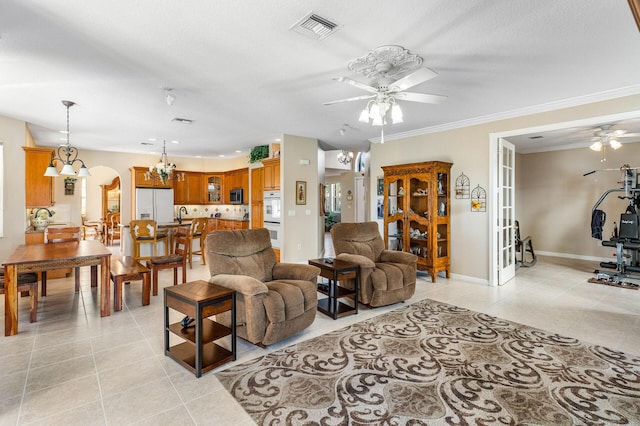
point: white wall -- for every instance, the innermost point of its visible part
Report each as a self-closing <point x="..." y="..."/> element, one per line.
<point x="13" y="135"/>
<point x="301" y="223"/>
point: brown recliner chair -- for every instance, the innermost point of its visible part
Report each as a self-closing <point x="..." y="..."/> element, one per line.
<point x="273" y="300"/>
<point x="386" y="276"/>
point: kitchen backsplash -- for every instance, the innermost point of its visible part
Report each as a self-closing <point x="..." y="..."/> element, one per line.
<point x="227" y="211"/>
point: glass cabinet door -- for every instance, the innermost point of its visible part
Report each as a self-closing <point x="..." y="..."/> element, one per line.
<point x="418" y="215"/>
<point x="442" y="236"/>
<point x="214" y="189"/>
<point x="394" y="204"/>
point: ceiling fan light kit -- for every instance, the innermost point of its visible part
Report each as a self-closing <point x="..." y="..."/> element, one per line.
<point x="393" y="69"/>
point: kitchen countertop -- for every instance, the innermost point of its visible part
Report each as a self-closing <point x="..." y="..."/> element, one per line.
<point x="32" y="230"/>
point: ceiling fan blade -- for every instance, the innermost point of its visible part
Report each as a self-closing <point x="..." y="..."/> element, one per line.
<point x="628" y="135"/>
<point x="357" y="98"/>
<point x="419" y="76"/>
<point x="420" y="97"/>
<point x="357" y="84"/>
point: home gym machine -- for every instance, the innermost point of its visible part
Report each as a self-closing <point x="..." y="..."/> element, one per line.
<point x="626" y="239"/>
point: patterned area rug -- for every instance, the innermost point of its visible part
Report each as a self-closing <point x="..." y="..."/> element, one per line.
<point x="433" y="363"/>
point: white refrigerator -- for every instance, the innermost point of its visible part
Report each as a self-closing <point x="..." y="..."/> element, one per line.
<point x="155" y="203"/>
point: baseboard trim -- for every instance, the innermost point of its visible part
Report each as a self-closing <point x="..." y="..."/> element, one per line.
<point x="474" y="280"/>
<point x="576" y="256"/>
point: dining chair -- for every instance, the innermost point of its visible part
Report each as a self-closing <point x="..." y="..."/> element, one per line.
<point x="198" y="233"/>
<point x="145" y="231"/>
<point x="113" y="229"/>
<point x="26" y="282"/>
<point x="90" y="229"/>
<point x="177" y="259"/>
<point x="53" y="235"/>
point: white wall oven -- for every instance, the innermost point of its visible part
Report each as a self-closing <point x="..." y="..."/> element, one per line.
<point x="273" y="216"/>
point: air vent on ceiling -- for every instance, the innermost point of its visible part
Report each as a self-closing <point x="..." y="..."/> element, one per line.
<point x="182" y="120"/>
<point x="315" y="26"/>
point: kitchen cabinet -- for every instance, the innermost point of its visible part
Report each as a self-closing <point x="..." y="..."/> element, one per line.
<point x="271" y="173"/>
<point x="257" y="197"/>
<point x="214" y="187"/>
<point x="236" y="179"/>
<point x="218" y="224"/>
<point x="39" y="188"/>
<point x="189" y="190"/>
<point x="139" y="178"/>
<point x="417" y="213"/>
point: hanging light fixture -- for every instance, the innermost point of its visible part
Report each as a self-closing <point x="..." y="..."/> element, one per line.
<point x="345" y="157"/>
<point x="163" y="170"/>
<point x="67" y="155"/>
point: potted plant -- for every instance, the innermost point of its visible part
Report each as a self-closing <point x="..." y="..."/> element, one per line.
<point x="329" y="221"/>
<point x="258" y="153"/>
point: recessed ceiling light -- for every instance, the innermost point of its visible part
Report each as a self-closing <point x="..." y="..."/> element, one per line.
<point x="64" y="132"/>
<point x="152" y="139"/>
<point x="221" y="155"/>
<point x="238" y="151"/>
<point x="198" y="156"/>
<point x="278" y="139"/>
<point x="175" y="141"/>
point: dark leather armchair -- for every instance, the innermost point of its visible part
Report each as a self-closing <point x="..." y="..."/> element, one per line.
<point x="386" y="276"/>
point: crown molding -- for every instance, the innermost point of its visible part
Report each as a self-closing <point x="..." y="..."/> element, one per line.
<point x="535" y="109"/>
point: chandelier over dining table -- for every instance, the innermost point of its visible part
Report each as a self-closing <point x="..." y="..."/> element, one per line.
<point x="67" y="155"/>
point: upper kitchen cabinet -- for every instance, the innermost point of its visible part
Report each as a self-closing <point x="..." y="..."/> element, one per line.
<point x="236" y="179"/>
<point x="214" y="185"/>
<point x="271" y="173"/>
<point x="39" y="188"/>
<point x="139" y="177"/>
<point x="189" y="190"/>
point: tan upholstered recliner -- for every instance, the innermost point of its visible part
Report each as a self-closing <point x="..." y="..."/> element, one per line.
<point x="386" y="276"/>
<point x="273" y="300"/>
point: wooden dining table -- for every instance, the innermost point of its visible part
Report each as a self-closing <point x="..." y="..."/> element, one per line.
<point x="45" y="257"/>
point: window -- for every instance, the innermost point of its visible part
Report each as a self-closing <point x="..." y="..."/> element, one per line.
<point x="332" y="194"/>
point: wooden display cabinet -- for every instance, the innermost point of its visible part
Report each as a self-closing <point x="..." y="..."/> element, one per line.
<point x="110" y="197"/>
<point x="271" y="173"/>
<point x="417" y="213"/>
<point x="39" y="188"/>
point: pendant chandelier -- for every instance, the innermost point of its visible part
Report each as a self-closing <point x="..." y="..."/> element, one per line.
<point x="345" y="157"/>
<point x="67" y="155"/>
<point x="163" y="170"/>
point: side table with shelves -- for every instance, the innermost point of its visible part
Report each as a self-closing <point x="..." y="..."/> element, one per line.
<point x="335" y="270"/>
<point x="199" y="299"/>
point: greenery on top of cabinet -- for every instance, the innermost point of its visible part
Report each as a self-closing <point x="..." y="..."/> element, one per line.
<point x="258" y="153"/>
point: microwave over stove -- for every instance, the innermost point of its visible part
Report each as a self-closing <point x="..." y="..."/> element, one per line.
<point x="235" y="196"/>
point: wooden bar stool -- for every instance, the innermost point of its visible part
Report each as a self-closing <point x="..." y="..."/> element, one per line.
<point x="178" y="259"/>
<point x="199" y="233"/>
<point x="146" y="232"/>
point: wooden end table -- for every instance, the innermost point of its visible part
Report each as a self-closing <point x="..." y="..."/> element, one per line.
<point x="199" y="300"/>
<point x="335" y="270"/>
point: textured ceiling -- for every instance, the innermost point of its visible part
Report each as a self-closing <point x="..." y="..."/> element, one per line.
<point x="245" y="78"/>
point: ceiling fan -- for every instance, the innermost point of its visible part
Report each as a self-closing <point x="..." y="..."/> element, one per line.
<point x="605" y="135"/>
<point x="384" y="65"/>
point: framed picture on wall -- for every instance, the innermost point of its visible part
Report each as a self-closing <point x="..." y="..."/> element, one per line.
<point x="380" y="186"/>
<point x="301" y="192"/>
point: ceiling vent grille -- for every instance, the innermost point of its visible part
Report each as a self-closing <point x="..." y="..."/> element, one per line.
<point x="182" y="120"/>
<point x="315" y="26"/>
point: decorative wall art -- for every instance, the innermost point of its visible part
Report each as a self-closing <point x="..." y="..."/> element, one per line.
<point x="380" y="186"/>
<point x="69" y="185"/>
<point x="301" y="192"/>
<point x="462" y="186"/>
<point x="478" y="199"/>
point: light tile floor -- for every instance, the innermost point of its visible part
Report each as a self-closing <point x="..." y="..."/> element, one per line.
<point x="73" y="367"/>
